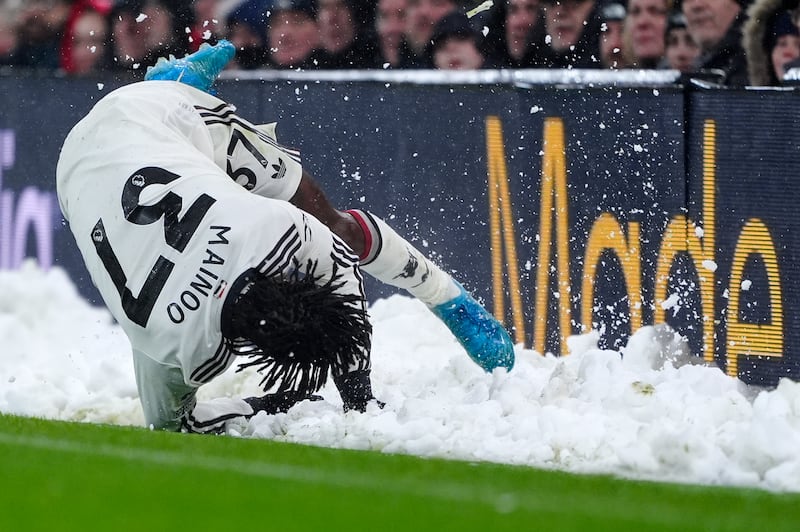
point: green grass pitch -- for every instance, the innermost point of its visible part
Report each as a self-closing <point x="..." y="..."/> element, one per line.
<point x="72" y="476"/>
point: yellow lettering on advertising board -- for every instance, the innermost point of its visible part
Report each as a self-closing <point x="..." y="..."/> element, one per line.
<point x="501" y="227"/>
<point x="607" y="234"/>
<point x="750" y="338"/>
<point x="553" y="207"/>
<point x="682" y="236"/>
<point x="698" y="242"/>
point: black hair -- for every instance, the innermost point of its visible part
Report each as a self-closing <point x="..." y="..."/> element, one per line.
<point x="297" y="328"/>
<point x="675" y="20"/>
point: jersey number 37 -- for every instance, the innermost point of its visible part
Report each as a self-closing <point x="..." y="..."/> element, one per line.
<point x="177" y="234"/>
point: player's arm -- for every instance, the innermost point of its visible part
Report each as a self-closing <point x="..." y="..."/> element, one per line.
<point x="352" y="379"/>
<point x="164" y="396"/>
<point x="355" y="389"/>
<point x="171" y="404"/>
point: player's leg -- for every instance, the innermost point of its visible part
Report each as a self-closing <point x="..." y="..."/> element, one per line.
<point x="393" y="260"/>
<point x="390" y="258"/>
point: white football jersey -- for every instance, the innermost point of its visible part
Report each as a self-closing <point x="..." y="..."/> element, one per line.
<point x="153" y="182"/>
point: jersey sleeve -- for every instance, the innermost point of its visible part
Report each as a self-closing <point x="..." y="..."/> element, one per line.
<point x="171" y="404"/>
<point x="251" y="155"/>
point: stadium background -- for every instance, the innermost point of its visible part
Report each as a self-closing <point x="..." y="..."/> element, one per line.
<point x="565" y="205"/>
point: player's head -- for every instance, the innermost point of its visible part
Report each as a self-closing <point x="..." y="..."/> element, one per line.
<point x="198" y="70"/>
<point x="296" y="328"/>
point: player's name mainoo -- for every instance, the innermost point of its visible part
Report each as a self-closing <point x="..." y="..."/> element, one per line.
<point x="206" y="280"/>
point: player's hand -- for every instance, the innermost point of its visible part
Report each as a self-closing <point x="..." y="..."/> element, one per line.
<point x="274" y="403"/>
<point x="356" y="390"/>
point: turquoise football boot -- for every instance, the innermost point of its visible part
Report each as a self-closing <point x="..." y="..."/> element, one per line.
<point x="481" y="335"/>
<point x="198" y="70"/>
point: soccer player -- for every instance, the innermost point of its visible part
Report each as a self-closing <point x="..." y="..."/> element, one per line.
<point x="168" y="191"/>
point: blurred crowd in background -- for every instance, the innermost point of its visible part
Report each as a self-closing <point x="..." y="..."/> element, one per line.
<point x="730" y="42"/>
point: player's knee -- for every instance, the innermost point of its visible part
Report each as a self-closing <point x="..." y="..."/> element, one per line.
<point x="348" y="229"/>
<point x="366" y="225"/>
